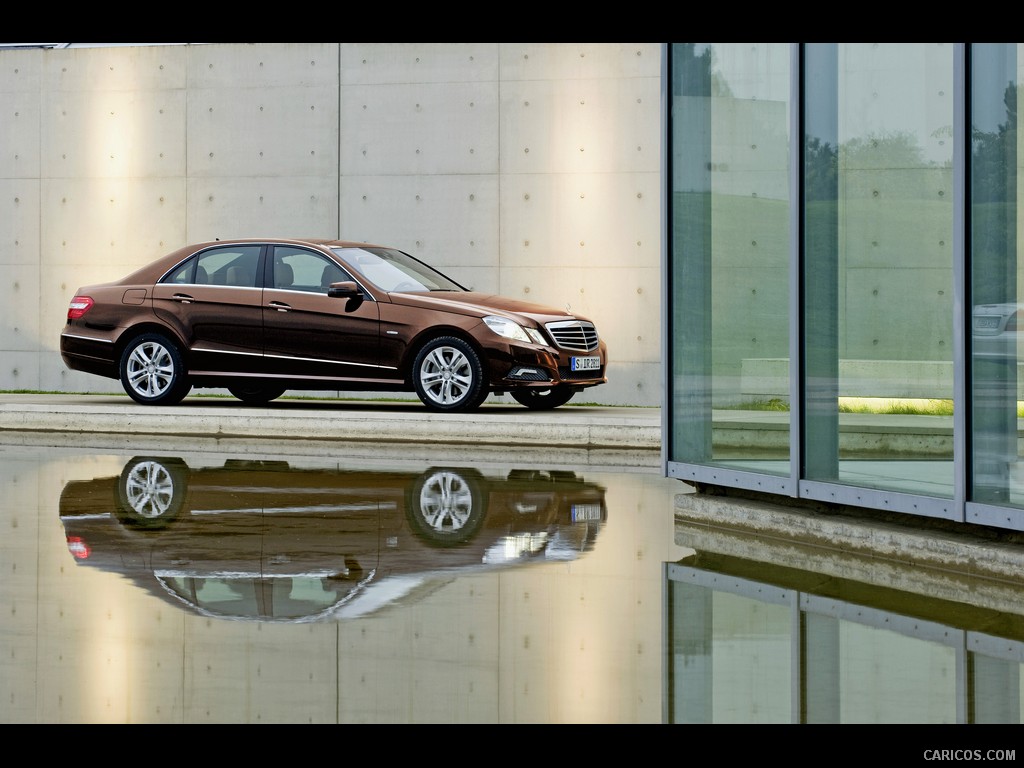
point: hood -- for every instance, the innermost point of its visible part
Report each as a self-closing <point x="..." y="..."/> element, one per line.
<point x="480" y="304"/>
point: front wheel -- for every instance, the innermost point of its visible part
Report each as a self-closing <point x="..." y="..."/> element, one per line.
<point x="542" y="399"/>
<point x="449" y="375"/>
<point x="152" y="371"/>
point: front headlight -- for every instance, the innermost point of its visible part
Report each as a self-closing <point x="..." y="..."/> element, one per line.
<point x="510" y="330"/>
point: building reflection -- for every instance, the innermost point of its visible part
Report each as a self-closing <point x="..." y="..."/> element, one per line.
<point x="763" y="630"/>
<point x="266" y="541"/>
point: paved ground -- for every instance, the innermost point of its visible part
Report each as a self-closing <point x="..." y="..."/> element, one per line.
<point x="570" y="434"/>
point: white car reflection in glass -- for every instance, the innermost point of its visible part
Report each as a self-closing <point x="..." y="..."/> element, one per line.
<point x="997" y="331"/>
<point x="263" y="541"/>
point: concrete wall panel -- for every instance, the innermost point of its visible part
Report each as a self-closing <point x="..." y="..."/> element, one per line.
<point x="113" y="134"/>
<point x="123" y="68"/>
<point x="271" y="206"/>
<point x="588" y="219"/>
<point x="19" y="221"/>
<point x="263" y="131"/>
<point x="22" y="71"/>
<point x="19" y="135"/>
<point x="387" y="63"/>
<point x="20" y="319"/>
<point x="227" y="67"/>
<point x="20" y="370"/>
<point x="579" y="61"/>
<point x="580" y="126"/>
<point x="110" y="226"/>
<point x="446" y="220"/>
<point x="419" y="129"/>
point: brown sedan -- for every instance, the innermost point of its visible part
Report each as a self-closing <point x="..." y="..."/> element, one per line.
<point x="259" y="317"/>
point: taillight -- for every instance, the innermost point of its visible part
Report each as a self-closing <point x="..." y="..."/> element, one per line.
<point x="78" y="307"/>
<point x="1014" y="322"/>
<point x="78" y="547"/>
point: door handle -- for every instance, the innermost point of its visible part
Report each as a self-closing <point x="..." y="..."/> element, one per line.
<point x="280" y="306"/>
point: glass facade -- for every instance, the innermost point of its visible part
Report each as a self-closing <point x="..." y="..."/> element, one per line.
<point x="786" y="647"/>
<point x="841" y="291"/>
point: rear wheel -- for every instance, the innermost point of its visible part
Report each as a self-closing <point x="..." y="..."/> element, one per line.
<point x="542" y="399"/>
<point x="449" y="375"/>
<point x="152" y="371"/>
<point x="256" y="394"/>
<point x="151" y="491"/>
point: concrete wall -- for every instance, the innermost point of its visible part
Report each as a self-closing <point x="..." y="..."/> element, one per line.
<point x="530" y="169"/>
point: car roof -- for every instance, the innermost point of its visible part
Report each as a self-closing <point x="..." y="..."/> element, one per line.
<point x="286" y="241"/>
<point x="153" y="269"/>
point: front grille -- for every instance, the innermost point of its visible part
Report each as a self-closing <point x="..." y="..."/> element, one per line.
<point x="574" y="335"/>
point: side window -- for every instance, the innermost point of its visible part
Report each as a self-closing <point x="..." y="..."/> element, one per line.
<point x="305" y="271"/>
<point x="332" y="273"/>
<point x="232" y="265"/>
<point x="184" y="274"/>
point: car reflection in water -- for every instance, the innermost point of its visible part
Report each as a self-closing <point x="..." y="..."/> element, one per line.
<point x="263" y="541"/>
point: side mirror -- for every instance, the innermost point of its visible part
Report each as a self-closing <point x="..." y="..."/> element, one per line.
<point x="344" y="290"/>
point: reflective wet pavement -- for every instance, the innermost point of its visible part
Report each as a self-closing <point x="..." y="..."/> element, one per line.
<point x="327" y="590"/>
<point x="212" y="585"/>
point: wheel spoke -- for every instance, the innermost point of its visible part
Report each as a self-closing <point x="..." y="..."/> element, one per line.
<point x="446" y="375"/>
<point x="150" y="369"/>
<point x="149" y="490"/>
<point x="446" y="503"/>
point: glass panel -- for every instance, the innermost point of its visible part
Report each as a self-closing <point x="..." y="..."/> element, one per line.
<point x="997" y="690"/>
<point x="878" y="265"/>
<point x="886" y="677"/>
<point x="729" y="258"/>
<point x="996" y="276"/>
<point x="731" y="658"/>
<point x="764" y="641"/>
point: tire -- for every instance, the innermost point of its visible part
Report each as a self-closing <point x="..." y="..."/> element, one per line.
<point x="151" y="491"/>
<point x="446" y="507"/>
<point x="449" y="376"/>
<point x="542" y="399"/>
<point x="256" y="394"/>
<point x="152" y="371"/>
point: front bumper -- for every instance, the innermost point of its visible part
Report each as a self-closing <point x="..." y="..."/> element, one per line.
<point x="534" y="366"/>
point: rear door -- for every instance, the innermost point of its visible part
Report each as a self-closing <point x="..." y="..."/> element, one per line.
<point x="215" y="302"/>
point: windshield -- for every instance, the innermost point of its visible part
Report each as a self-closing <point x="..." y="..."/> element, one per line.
<point x="393" y="270"/>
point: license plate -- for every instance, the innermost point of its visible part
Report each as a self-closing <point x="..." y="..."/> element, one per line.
<point x="986" y="322"/>
<point x="586" y="513"/>
<point x="586" y="363"/>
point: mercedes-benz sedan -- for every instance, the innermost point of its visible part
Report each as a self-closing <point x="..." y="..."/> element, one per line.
<point x="260" y="317"/>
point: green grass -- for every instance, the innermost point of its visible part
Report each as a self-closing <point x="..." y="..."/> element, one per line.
<point x="909" y="406"/>
<point x="883" y="405"/>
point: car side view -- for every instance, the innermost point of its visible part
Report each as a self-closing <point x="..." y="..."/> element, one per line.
<point x="260" y="317"/>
